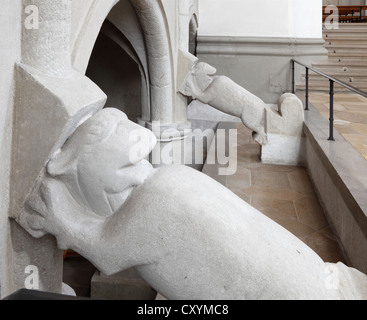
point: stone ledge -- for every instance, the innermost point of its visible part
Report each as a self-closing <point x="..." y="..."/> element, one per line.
<point x="336" y="170"/>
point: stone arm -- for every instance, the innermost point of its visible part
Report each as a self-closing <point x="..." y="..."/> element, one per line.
<point x="53" y="210"/>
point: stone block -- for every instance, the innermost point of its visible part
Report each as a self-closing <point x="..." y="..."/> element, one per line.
<point x="126" y="285"/>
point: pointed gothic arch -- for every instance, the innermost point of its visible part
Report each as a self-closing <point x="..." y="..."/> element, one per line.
<point x="157" y="46"/>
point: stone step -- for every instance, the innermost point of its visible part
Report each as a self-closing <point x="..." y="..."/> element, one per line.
<point x="349" y="60"/>
<point x="342" y="69"/>
<point x="348" y="54"/>
<point x="335" y="62"/>
<point x="345" y="41"/>
<point x="344" y="32"/>
<point x="336" y="35"/>
<point x="350" y="80"/>
<point x="350" y="26"/>
<point x="343" y="76"/>
<point x="356" y="36"/>
<point x="347" y="48"/>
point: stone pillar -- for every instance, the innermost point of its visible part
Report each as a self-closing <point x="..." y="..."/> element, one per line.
<point x="10" y="25"/>
<point x="183" y="46"/>
<point x="51" y="100"/>
<point x="159" y="59"/>
<point x="46" y="42"/>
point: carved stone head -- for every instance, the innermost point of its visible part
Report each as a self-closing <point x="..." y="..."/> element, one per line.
<point x="199" y="79"/>
<point x="104" y="160"/>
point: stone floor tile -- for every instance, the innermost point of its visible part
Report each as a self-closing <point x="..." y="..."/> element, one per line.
<point x="355" y="106"/>
<point x="310" y="213"/>
<point x="258" y="166"/>
<point x="337" y="107"/>
<point x="323" y="107"/>
<point x="238" y="181"/>
<point x="361" y="147"/>
<point x="327" y="248"/>
<point x="248" y="160"/>
<point x="249" y="150"/>
<point x="299" y="181"/>
<point x="243" y="196"/>
<point x="326" y="115"/>
<point x="361" y="128"/>
<point x="356" y="138"/>
<point x="319" y="98"/>
<point x="270" y="179"/>
<point x="348" y="116"/>
<point x="273" y="208"/>
<point x="242" y="170"/>
<point x="272" y="193"/>
<point x="345" y="129"/>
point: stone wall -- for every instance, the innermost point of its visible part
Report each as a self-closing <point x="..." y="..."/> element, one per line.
<point x="10" y="26"/>
<point x="255" y="41"/>
<point x="260" y="64"/>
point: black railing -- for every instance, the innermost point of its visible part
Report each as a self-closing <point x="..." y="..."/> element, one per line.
<point x="331" y="91"/>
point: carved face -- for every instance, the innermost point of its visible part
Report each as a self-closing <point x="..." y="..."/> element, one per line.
<point x="200" y="79"/>
<point x="104" y="160"/>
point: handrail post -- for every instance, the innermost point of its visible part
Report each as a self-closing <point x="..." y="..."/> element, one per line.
<point x="293" y="77"/>
<point x="307" y="95"/>
<point x="331" y="138"/>
<point x="360" y="14"/>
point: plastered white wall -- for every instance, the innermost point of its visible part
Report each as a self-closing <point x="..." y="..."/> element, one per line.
<point x="265" y="18"/>
<point x="306" y="18"/>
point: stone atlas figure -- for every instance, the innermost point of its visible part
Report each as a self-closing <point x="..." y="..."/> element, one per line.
<point x="188" y="236"/>
<point x="224" y="94"/>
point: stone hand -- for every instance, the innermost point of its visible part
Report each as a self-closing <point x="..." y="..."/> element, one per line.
<point x="49" y="210"/>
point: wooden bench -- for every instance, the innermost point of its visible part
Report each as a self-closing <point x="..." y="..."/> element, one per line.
<point x="349" y="18"/>
<point x="347" y="13"/>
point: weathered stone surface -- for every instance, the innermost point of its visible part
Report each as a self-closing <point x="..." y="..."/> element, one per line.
<point x="188" y="242"/>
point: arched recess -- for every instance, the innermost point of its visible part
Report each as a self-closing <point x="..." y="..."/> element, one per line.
<point x="157" y="47"/>
<point x="116" y="68"/>
<point x="193" y="33"/>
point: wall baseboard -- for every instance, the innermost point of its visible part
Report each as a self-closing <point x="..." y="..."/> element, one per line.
<point x="261" y="65"/>
<point x="264" y="46"/>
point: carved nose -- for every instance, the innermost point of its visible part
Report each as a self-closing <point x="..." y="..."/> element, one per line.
<point x="142" y="142"/>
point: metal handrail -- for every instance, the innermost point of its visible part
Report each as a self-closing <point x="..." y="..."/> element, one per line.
<point x="331" y="91"/>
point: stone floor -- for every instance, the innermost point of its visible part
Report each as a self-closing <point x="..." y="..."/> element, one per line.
<point x="350" y="116"/>
<point x="286" y="195"/>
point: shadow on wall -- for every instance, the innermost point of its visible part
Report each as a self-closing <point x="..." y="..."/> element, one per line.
<point x="117" y="74"/>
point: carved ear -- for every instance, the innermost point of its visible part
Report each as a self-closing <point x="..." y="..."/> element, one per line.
<point x="187" y="89"/>
<point x="207" y="69"/>
<point x="203" y="75"/>
<point x="203" y="68"/>
<point x="62" y="163"/>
